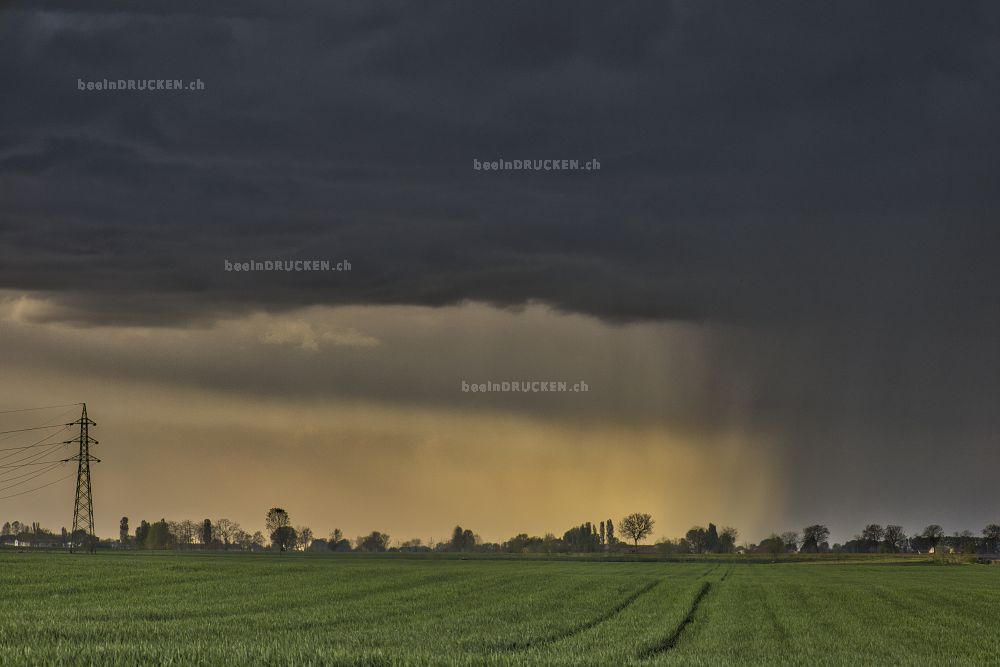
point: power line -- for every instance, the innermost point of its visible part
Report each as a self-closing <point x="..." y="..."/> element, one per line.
<point x="37" y="443"/>
<point x="34" y="456"/>
<point x="21" y="493"/>
<point x="31" y="428"/>
<point x="25" y="474"/>
<point x="36" y="474"/>
<point x="58" y="421"/>
<point x="44" y="407"/>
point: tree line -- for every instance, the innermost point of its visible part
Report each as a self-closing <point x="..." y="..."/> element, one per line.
<point x="281" y="535"/>
<point x="892" y="538"/>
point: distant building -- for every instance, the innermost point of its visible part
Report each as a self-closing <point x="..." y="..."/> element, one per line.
<point x="34" y="544"/>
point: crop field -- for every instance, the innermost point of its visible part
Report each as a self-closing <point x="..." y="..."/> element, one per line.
<point x="191" y="609"/>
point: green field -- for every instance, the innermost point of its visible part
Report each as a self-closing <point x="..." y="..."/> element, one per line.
<point x="214" y="609"/>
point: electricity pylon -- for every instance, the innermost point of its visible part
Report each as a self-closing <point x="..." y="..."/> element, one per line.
<point x="83" y="506"/>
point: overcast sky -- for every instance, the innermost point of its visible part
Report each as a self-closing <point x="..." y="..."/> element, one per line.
<point x="780" y="286"/>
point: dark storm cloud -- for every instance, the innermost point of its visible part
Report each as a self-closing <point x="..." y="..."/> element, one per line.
<point x="776" y="161"/>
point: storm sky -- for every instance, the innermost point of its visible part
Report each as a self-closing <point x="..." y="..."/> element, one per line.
<point x="780" y="286"/>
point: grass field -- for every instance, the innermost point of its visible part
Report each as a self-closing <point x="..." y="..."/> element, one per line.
<point x="190" y="609"/>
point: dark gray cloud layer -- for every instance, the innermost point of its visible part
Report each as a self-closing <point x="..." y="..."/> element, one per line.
<point x="773" y="161"/>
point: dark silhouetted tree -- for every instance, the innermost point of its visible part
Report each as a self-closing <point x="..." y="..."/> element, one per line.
<point x="894" y="539"/>
<point x="257" y="541"/>
<point x="813" y="536"/>
<point x="872" y="535"/>
<point x="226" y="531"/>
<point x="933" y="534"/>
<point x="375" y="541"/>
<point x="696" y="539"/>
<point x="142" y="535"/>
<point x="275" y="521"/>
<point x="123" y="531"/>
<point x="284" y="538"/>
<point x="712" y="539"/>
<point x="205" y="534"/>
<point x="457" y="539"/>
<point x="774" y="545"/>
<point x="636" y="526"/>
<point x="304" y="537"/>
<point x="160" y="536"/>
<point x="991" y="537"/>
<point x="581" y="539"/>
<point x="791" y="540"/>
<point x="727" y="539"/>
<point x="337" y="541"/>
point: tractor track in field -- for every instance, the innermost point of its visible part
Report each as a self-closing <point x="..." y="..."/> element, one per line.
<point x="580" y="627"/>
<point x="670" y="641"/>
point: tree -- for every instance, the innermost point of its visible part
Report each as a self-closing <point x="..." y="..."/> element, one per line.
<point x="894" y="539"/>
<point x="142" y="535"/>
<point x="611" y="532"/>
<point x="581" y="539"/>
<point x="966" y="542"/>
<point x="337" y="541"/>
<point x="933" y="534"/>
<point x="279" y="527"/>
<point x="334" y="542"/>
<point x="991" y="537"/>
<point x="305" y="537"/>
<point x="276" y="518"/>
<point x="284" y="538"/>
<point x="602" y="534"/>
<point x="123" y="531"/>
<point x="872" y="535"/>
<point x="636" y="526"/>
<point x="712" y="539"/>
<point x="813" y="536"/>
<point x="206" y="532"/>
<point x="226" y="531"/>
<point x="774" y="545"/>
<point x="727" y="539"/>
<point x="243" y="539"/>
<point x="257" y="541"/>
<point x="697" y="539"/>
<point x="184" y="531"/>
<point x="791" y="540"/>
<point x="462" y="540"/>
<point x="160" y="536"/>
<point x="6" y="528"/>
<point x="457" y="539"/>
<point x="375" y="541"/>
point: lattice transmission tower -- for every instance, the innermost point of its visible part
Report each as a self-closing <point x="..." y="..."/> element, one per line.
<point x="83" y="506"/>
